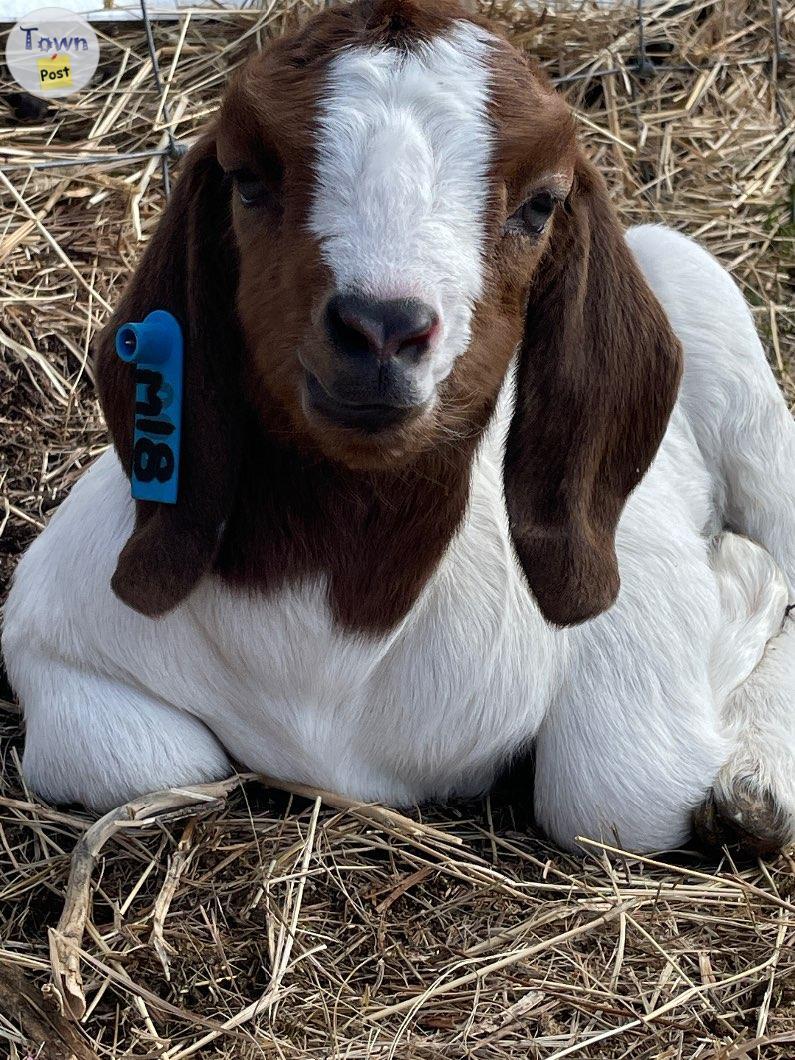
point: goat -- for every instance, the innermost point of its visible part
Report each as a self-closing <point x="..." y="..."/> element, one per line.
<point x="464" y="467"/>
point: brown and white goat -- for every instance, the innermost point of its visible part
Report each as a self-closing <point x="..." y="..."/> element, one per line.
<point x="440" y="493"/>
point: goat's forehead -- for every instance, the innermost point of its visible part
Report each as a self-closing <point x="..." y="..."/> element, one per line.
<point x="403" y="147"/>
<point x="339" y="75"/>
<point x="450" y="66"/>
<point x="385" y="116"/>
<point x="461" y="72"/>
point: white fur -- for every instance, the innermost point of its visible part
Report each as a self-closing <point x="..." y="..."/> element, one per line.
<point x="759" y="695"/>
<point x="431" y="709"/>
<point x="637" y="713"/>
<point x="401" y="166"/>
<point x="648" y="718"/>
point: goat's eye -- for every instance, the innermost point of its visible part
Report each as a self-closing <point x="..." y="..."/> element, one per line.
<point x="532" y="215"/>
<point x="250" y="188"/>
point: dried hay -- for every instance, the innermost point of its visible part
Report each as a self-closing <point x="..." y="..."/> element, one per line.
<point x="263" y="924"/>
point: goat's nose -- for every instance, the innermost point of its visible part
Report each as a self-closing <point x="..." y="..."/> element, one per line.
<point x="401" y="327"/>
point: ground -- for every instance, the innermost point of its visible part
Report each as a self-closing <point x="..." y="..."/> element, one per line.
<point x="279" y="925"/>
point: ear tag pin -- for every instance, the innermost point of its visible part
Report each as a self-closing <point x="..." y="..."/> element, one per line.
<point x="155" y="347"/>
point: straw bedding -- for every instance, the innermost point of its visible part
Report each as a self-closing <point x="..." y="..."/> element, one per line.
<point x="264" y="924"/>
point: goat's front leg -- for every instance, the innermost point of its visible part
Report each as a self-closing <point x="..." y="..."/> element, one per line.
<point x="753" y="798"/>
<point x="633" y="743"/>
<point x="626" y="760"/>
<point x="102" y="742"/>
<point x="685" y="719"/>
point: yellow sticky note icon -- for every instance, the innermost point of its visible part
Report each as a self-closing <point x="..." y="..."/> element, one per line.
<point x="55" y="72"/>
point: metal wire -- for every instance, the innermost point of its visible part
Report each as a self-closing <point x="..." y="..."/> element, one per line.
<point x="173" y="149"/>
<point x="644" y="68"/>
<point x="776" y="32"/>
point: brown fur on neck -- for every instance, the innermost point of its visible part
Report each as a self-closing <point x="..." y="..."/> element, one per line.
<point x="376" y="536"/>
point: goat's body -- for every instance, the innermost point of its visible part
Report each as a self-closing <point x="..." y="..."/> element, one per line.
<point x="431" y="709"/>
<point x="638" y="713"/>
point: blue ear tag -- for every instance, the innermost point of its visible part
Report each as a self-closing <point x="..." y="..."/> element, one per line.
<point x="155" y="348"/>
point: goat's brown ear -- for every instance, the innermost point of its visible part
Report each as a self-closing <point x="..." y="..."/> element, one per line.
<point x="188" y="268"/>
<point x="596" y="381"/>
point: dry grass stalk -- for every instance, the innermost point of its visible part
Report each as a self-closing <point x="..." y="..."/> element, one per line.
<point x="305" y="926"/>
<point x="65" y="939"/>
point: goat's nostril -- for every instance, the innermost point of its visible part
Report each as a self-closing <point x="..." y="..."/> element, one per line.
<point x="359" y="326"/>
<point x="349" y="328"/>
<point x="419" y="331"/>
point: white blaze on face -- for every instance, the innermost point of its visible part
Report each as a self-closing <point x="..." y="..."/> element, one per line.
<point x="403" y="150"/>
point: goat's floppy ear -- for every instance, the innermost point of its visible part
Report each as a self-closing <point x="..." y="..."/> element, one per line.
<point x="189" y="268"/>
<point x="596" y="381"/>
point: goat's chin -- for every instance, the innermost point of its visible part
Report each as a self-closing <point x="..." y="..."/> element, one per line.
<point x="392" y="446"/>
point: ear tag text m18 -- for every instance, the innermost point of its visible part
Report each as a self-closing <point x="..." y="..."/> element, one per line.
<point x="155" y="347"/>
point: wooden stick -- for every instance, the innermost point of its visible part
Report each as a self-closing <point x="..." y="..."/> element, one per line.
<point x="65" y="939"/>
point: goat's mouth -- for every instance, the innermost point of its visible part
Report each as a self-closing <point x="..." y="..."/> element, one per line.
<point x="367" y="417"/>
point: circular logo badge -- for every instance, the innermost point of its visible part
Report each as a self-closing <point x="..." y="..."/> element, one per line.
<point x="52" y="52"/>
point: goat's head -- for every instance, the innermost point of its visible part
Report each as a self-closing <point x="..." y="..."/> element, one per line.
<point x="393" y="173"/>
<point x="389" y="204"/>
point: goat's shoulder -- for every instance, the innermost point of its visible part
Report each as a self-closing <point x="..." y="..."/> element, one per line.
<point x="57" y="579"/>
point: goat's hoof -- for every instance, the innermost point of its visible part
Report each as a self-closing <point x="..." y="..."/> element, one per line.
<point x="741" y="814"/>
